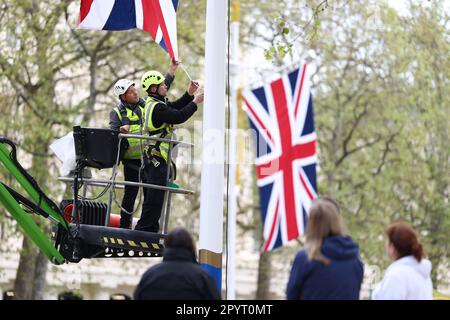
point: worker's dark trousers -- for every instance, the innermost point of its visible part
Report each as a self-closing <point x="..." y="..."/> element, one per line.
<point x="153" y="202"/>
<point x="131" y="173"/>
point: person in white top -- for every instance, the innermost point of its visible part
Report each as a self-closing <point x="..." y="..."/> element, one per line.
<point x="408" y="277"/>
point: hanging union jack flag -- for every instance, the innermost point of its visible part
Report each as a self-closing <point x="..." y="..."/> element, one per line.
<point x="157" y="17"/>
<point x="282" y="115"/>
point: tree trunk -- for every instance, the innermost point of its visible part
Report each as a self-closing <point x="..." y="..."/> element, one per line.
<point x="23" y="285"/>
<point x="264" y="265"/>
<point x="40" y="269"/>
<point x="264" y="275"/>
<point x="32" y="270"/>
<point x="40" y="272"/>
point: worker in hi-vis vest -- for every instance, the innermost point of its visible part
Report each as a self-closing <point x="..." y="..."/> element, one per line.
<point x="159" y="117"/>
<point x="127" y="118"/>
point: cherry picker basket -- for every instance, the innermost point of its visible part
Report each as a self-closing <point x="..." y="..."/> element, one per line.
<point x="97" y="148"/>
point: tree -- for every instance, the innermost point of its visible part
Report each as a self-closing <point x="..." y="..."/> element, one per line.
<point x="43" y="56"/>
<point x="30" y="69"/>
<point x="380" y="113"/>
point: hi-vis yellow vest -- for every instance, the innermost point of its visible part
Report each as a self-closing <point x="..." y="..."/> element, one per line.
<point x="164" y="131"/>
<point x="135" y="149"/>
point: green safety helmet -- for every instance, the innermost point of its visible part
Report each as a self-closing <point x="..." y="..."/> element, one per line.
<point x="151" y="77"/>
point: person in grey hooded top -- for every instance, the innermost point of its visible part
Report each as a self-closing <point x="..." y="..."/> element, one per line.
<point x="408" y="278"/>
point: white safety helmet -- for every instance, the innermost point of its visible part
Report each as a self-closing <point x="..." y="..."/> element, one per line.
<point x="122" y="86"/>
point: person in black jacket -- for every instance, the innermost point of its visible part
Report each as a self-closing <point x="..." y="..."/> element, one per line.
<point x="179" y="276"/>
<point x="159" y="117"/>
<point x="127" y="118"/>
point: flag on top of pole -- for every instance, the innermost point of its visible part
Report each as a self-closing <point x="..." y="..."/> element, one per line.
<point x="157" y="17"/>
<point x="281" y="112"/>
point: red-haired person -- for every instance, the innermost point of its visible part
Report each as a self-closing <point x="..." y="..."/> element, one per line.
<point x="408" y="277"/>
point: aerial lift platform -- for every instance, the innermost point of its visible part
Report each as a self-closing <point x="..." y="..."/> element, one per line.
<point x="82" y="228"/>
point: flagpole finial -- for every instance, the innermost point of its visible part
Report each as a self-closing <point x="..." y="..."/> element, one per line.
<point x="235" y="11"/>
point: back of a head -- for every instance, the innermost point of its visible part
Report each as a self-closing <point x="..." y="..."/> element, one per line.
<point x="324" y="220"/>
<point x="404" y="239"/>
<point x="179" y="237"/>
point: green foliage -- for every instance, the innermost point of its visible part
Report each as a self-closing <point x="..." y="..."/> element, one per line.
<point x="381" y="125"/>
<point x="381" y="108"/>
<point x="54" y="76"/>
<point x="305" y="26"/>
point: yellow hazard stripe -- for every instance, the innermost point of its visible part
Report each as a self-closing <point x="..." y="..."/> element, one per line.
<point x="132" y="243"/>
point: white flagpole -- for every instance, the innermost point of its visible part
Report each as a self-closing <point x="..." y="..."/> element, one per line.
<point x="232" y="187"/>
<point x="213" y="153"/>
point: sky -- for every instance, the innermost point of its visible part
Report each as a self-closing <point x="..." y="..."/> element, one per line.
<point x="255" y="60"/>
<point x="401" y="5"/>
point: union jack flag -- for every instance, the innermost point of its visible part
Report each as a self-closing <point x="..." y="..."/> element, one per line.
<point x="282" y="115"/>
<point x="157" y="17"/>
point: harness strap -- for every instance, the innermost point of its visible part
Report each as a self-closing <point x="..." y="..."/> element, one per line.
<point x="125" y="120"/>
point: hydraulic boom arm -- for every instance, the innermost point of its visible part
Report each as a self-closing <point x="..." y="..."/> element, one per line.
<point x="42" y="205"/>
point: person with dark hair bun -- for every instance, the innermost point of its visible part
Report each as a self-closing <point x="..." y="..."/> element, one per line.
<point x="179" y="276"/>
<point x="408" y="277"/>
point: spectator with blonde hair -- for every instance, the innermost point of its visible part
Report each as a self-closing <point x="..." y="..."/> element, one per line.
<point x="408" y="277"/>
<point x="329" y="268"/>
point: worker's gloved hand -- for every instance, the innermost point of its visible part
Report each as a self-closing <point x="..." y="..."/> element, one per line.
<point x="192" y="87"/>
<point x="173" y="66"/>
<point x="125" y="128"/>
<point x="199" y="98"/>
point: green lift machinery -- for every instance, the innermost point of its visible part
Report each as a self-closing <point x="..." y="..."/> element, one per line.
<point x="81" y="227"/>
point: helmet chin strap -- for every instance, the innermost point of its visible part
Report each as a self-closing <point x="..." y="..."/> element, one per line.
<point x="156" y="94"/>
<point x="159" y="97"/>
